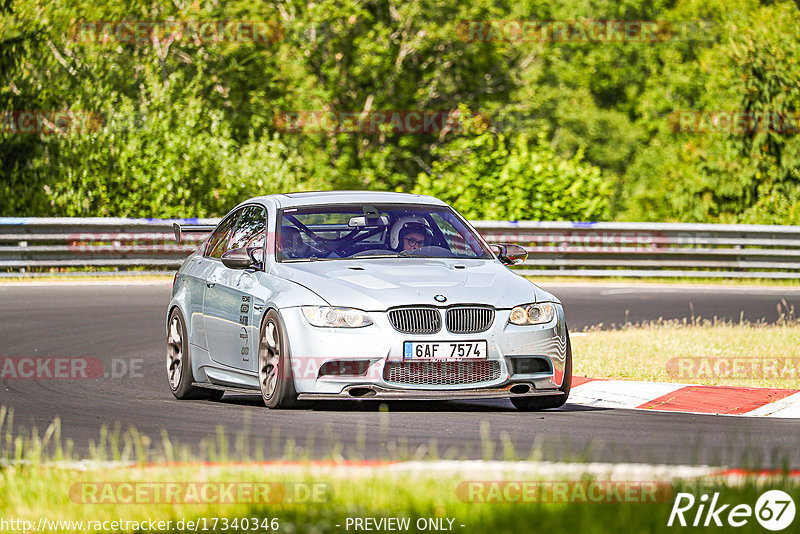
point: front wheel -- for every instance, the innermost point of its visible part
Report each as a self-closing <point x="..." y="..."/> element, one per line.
<point x="274" y="364"/>
<point x="179" y="364"/>
<point x="534" y="404"/>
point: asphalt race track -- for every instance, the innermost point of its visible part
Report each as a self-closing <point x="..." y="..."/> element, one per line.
<point x="122" y="325"/>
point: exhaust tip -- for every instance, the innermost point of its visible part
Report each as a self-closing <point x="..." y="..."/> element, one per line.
<point x="361" y="392"/>
<point x="519" y="389"/>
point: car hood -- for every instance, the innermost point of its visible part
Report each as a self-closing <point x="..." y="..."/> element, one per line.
<point x="378" y="284"/>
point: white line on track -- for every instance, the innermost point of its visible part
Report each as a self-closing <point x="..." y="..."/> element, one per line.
<point x="622" y="288"/>
<point x="619" y="393"/>
<point x="464" y="469"/>
<point x="88" y="283"/>
<point x="457" y="469"/>
<point x="787" y="407"/>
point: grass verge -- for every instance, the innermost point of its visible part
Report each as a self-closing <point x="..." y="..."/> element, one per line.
<point x="180" y="493"/>
<point x="302" y="500"/>
<point x="713" y="353"/>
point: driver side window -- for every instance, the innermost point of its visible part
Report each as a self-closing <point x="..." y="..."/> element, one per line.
<point x="251" y="231"/>
<point x="219" y="239"/>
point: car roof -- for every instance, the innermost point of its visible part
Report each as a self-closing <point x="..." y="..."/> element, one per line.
<point x="315" y="198"/>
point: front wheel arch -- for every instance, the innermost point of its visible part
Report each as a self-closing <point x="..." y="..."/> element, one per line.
<point x="535" y="404"/>
<point x="275" y="373"/>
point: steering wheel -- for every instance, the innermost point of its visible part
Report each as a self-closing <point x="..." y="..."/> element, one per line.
<point x="430" y="251"/>
<point x="372" y="252"/>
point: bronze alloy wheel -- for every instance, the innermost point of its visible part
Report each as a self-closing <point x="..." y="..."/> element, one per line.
<point x="274" y="365"/>
<point x="179" y="363"/>
<point x="175" y="350"/>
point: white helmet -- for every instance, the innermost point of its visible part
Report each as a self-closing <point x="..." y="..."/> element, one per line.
<point x="394" y="234"/>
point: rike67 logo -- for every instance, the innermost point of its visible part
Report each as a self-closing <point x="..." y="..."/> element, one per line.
<point x="774" y="510"/>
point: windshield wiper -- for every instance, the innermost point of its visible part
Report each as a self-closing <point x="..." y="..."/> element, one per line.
<point x="310" y="258"/>
<point x="382" y="255"/>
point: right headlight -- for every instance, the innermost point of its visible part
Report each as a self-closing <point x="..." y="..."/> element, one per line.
<point x="330" y="317"/>
<point x="532" y="314"/>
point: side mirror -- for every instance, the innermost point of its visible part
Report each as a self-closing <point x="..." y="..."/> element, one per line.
<point x="510" y="254"/>
<point x="240" y="258"/>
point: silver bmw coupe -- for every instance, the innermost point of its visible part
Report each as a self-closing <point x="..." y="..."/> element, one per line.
<point x="361" y="295"/>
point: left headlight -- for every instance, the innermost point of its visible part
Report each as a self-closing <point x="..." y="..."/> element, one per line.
<point x="336" y="317"/>
<point x="532" y="314"/>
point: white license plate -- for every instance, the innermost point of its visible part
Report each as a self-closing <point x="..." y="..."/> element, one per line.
<point x="444" y="350"/>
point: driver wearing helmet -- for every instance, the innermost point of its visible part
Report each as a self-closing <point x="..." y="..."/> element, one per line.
<point x="410" y="233"/>
<point x="413" y="236"/>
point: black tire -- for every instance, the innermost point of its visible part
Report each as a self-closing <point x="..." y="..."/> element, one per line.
<point x="179" y="363"/>
<point x="274" y="364"/>
<point x="535" y="404"/>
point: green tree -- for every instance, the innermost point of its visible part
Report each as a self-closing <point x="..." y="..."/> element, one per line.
<point x="490" y="176"/>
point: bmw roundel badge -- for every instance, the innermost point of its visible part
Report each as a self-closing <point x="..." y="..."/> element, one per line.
<point x="439" y="298"/>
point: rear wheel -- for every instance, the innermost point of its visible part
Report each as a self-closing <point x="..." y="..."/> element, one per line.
<point x="274" y="364"/>
<point x="179" y="364"/>
<point x="534" y="404"/>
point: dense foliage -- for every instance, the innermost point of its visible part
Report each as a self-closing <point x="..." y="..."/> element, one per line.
<point x="182" y="125"/>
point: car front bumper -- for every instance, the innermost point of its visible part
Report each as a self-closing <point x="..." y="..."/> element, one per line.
<point x="378" y="346"/>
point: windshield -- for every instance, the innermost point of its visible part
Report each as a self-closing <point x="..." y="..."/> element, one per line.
<point x="374" y="231"/>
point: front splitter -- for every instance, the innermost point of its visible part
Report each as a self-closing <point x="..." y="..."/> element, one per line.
<point x="381" y="393"/>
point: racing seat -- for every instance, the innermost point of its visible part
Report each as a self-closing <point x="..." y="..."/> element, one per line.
<point x="292" y="245"/>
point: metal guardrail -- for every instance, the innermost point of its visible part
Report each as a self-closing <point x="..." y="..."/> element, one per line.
<point x="64" y="242"/>
<point x="555" y="248"/>
<point x="652" y="249"/>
